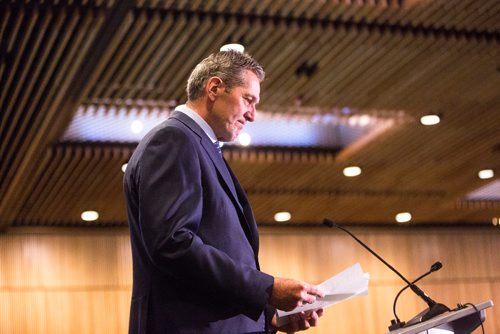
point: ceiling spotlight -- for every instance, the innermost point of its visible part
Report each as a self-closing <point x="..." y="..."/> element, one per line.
<point x="496" y="221"/>
<point x="136" y="126"/>
<point x="90" y="216"/>
<point x="430" y="119"/>
<point x="486" y="174"/>
<point x="233" y="47"/>
<point x="364" y="120"/>
<point x="124" y="167"/>
<point x="352" y="171"/>
<point x="282" y="216"/>
<point x="244" y="139"/>
<point x="403" y="217"/>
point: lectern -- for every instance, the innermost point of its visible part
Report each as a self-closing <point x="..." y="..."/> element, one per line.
<point x="462" y="321"/>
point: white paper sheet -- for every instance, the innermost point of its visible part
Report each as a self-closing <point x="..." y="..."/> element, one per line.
<point x="346" y="284"/>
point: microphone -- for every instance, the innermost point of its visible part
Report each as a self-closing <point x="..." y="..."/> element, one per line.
<point x="434" y="308"/>
<point x="435" y="267"/>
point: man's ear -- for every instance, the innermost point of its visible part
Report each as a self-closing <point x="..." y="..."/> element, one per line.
<point x="214" y="84"/>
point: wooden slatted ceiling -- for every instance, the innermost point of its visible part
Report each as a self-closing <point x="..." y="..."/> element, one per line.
<point x="36" y="75"/>
<point x="378" y="57"/>
<point x="362" y="64"/>
<point x="456" y="14"/>
<point x="44" y="48"/>
<point x="76" y="177"/>
<point x="79" y="177"/>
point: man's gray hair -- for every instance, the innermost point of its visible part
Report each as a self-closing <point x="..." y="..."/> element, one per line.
<point x="228" y="66"/>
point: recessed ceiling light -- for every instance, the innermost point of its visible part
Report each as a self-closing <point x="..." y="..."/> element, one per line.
<point x="352" y="171"/>
<point x="430" y="119"/>
<point x="233" y="47"/>
<point x="136" y="126"/>
<point x="495" y="221"/>
<point x="403" y="217"/>
<point x="486" y="174"/>
<point x="124" y="167"/>
<point x="244" y="139"/>
<point x="90" y="216"/>
<point x="364" y="120"/>
<point x="282" y="216"/>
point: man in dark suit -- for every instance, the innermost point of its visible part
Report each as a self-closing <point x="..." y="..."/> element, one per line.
<point x="194" y="238"/>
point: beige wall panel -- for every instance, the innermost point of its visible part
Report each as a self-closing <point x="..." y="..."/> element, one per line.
<point x="470" y="272"/>
<point x="56" y="311"/>
<point x="79" y="280"/>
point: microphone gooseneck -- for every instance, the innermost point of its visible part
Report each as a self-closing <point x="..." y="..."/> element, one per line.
<point x="435" y="267"/>
<point x="434" y="308"/>
<point x="330" y="223"/>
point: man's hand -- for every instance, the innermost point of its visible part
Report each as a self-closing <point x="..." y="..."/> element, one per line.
<point x="300" y="321"/>
<point x="288" y="294"/>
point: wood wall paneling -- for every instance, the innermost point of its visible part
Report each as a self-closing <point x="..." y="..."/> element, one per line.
<point x="79" y="280"/>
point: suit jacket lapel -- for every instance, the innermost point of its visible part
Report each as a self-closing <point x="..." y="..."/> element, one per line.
<point x="230" y="182"/>
<point x="212" y="153"/>
<point x="251" y="226"/>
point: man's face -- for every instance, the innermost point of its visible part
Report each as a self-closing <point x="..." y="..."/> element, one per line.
<point x="233" y="108"/>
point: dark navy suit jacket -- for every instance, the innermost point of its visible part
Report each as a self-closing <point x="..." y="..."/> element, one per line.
<point x="194" y="238"/>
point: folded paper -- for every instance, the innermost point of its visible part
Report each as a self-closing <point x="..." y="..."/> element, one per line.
<point x="346" y="284"/>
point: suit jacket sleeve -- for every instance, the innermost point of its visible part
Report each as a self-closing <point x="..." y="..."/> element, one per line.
<point x="169" y="183"/>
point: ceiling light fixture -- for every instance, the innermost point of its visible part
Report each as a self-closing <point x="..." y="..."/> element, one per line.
<point x="486" y="174"/>
<point x="136" y="126"/>
<point x="364" y="120"/>
<point x="244" y="139"/>
<point x="352" y="171"/>
<point x="233" y="47"/>
<point x="403" y="217"/>
<point x="430" y="119"/>
<point x="90" y="216"/>
<point x="282" y="216"/>
<point x="124" y="167"/>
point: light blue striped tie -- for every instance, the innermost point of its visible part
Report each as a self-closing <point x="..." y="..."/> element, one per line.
<point x="218" y="147"/>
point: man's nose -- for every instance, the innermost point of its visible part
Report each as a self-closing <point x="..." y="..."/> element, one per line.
<point x="250" y="114"/>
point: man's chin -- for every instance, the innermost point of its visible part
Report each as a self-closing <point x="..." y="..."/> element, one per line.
<point x="234" y="135"/>
<point x="230" y="135"/>
<point x="227" y="139"/>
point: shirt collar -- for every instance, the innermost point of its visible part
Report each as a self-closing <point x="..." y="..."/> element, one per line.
<point x="199" y="120"/>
